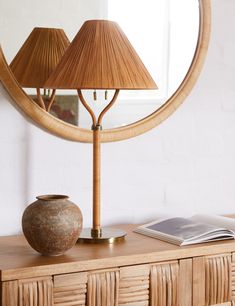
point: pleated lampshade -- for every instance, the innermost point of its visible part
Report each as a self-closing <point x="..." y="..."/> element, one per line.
<point x="100" y="57"/>
<point x="38" y="56"/>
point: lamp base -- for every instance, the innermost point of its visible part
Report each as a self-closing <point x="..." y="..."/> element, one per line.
<point x="108" y="235"/>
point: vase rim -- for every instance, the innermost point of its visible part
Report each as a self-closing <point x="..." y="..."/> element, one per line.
<point x="52" y="197"/>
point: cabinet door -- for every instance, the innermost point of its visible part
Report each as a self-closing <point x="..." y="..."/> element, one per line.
<point x="28" y="292"/>
<point x="171" y="283"/>
<point x="94" y="288"/>
<point x="212" y="280"/>
<point x="70" y="289"/>
<point x="134" y="285"/>
<point x="158" y="284"/>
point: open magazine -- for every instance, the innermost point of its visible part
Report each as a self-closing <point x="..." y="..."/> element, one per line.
<point x="185" y="231"/>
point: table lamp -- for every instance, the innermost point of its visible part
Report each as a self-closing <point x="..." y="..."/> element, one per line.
<point x="37" y="58"/>
<point x="100" y="58"/>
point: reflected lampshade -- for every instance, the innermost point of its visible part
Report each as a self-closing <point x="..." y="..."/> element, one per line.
<point x="100" y="57"/>
<point x="38" y="56"/>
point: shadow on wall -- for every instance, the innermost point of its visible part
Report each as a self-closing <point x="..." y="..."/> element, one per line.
<point x="14" y="165"/>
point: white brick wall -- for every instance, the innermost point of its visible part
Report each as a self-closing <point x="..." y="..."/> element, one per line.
<point x="186" y="165"/>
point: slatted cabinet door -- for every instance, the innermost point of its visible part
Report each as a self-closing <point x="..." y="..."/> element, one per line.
<point x="134" y="286"/>
<point x="93" y="288"/>
<point x="164" y="284"/>
<point x="28" y="292"/>
<point x="212" y="280"/>
<point x="159" y="284"/>
<point x="102" y="288"/>
<point x="70" y="289"/>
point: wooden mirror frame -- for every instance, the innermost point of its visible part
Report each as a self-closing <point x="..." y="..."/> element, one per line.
<point x="70" y="132"/>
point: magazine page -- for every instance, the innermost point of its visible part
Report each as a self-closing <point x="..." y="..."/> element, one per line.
<point x="180" y="228"/>
<point x="219" y="221"/>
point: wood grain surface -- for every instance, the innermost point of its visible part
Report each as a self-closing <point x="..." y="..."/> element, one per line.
<point x="17" y="258"/>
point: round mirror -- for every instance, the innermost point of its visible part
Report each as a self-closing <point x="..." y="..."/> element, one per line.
<point x="170" y="36"/>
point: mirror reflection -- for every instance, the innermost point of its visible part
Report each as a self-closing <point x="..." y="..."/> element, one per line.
<point x="163" y="32"/>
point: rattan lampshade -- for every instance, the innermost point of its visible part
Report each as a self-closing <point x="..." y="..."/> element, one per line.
<point x="100" y="57"/>
<point x="38" y="56"/>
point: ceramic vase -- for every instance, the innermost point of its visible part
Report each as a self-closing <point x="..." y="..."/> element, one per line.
<point x="52" y="224"/>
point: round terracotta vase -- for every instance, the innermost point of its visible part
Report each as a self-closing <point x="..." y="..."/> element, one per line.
<point x="52" y="224"/>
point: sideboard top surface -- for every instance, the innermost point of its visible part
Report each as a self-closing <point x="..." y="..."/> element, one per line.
<point x="18" y="260"/>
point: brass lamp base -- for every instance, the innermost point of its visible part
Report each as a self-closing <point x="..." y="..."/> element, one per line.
<point x="107" y="235"/>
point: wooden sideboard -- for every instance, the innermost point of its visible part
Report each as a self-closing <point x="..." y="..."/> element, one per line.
<point x="136" y="272"/>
